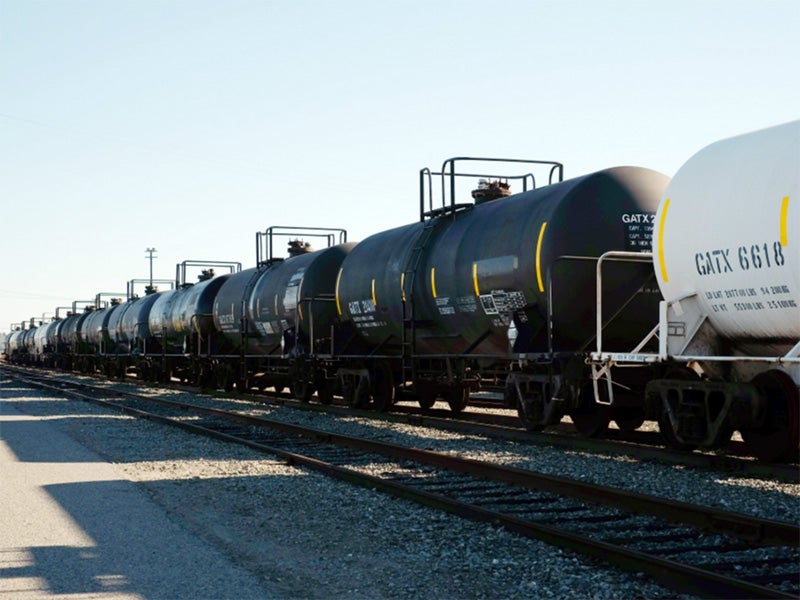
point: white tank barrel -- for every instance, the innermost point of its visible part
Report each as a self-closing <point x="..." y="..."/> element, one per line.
<point x="728" y="229"/>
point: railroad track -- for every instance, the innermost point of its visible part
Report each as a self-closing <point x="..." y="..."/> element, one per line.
<point x="688" y="548"/>
<point x="645" y="445"/>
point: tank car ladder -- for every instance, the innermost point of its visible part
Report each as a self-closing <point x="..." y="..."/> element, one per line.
<point x="409" y="336"/>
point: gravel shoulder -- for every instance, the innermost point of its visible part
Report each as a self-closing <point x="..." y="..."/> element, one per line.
<point x="303" y="535"/>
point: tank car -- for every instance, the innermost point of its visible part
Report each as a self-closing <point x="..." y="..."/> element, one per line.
<point x="116" y="358"/>
<point x="121" y="336"/>
<point x="442" y="300"/>
<point x="273" y="318"/>
<point x="14" y="349"/>
<point x="98" y="341"/>
<point x="44" y="343"/>
<point x="181" y="320"/>
<point x="21" y="344"/>
<point x="81" y="349"/>
<point x="727" y="260"/>
<point x="67" y="338"/>
<point x="728" y="263"/>
<point x="133" y="330"/>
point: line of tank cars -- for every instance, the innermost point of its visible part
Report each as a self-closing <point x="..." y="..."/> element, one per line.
<point x="618" y="295"/>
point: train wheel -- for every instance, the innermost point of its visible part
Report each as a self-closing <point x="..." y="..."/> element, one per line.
<point x="325" y="391"/>
<point x="383" y="389"/>
<point x="667" y="431"/>
<point x="355" y="393"/>
<point x="526" y="416"/>
<point x="348" y="392"/>
<point x="196" y="377"/>
<point x="457" y="398"/>
<point x="530" y="408"/>
<point x="302" y="389"/>
<point x="362" y="396"/>
<point x="629" y="418"/>
<point x="426" y="395"/>
<point x="207" y="379"/>
<point x="225" y="377"/>
<point x="591" y="418"/>
<point x="778" y="437"/>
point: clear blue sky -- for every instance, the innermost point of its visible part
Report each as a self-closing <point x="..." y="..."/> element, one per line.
<point x="189" y="125"/>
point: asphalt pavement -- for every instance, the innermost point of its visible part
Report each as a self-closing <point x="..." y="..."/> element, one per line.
<point x="72" y="526"/>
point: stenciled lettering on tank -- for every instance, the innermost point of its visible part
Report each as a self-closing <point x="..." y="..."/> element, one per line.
<point x="364" y="314"/>
<point x="638" y="231"/>
<point x="460" y="305"/>
<point x="743" y="258"/>
<point x="443" y="305"/>
<point x="502" y="305"/>
<point x="764" y="297"/>
<point x="466" y="304"/>
<point x="226" y="323"/>
<point x="269" y="327"/>
<point x="361" y="307"/>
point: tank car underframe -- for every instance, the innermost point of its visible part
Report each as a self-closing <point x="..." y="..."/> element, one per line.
<point x="701" y="392"/>
<point x="546" y="386"/>
<point x="380" y="380"/>
<point x="226" y="371"/>
<point x="557" y="385"/>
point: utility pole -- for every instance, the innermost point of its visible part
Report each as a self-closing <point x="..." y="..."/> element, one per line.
<point x="150" y="252"/>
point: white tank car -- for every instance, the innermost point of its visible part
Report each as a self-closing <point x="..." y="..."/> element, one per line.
<point x="726" y="251"/>
<point x="728" y="232"/>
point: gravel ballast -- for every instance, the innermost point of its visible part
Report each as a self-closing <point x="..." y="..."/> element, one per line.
<point x="306" y="536"/>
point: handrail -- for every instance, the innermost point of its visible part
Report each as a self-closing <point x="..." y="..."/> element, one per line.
<point x="132" y="283"/>
<point x="619" y="256"/>
<point x="111" y="295"/>
<point x="265" y="252"/>
<point x="76" y="302"/>
<point x="180" y="268"/>
<point x="557" y="169"/>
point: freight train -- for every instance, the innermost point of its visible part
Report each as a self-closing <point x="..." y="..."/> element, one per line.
<point x="618" y="295"/>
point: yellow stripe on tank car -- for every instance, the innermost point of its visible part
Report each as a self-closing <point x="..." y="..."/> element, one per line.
<point x="338" y="279"/>
<point x="374" y="301"/>
<point x="475" y="279"/>
<point x="784" y="218"/>
<point x="539" y="257"/>
<point x="299" y="298"/>
<point x="403" y="286"/>
<point x="433" y="281"/>
<point x="661" y="260"/>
